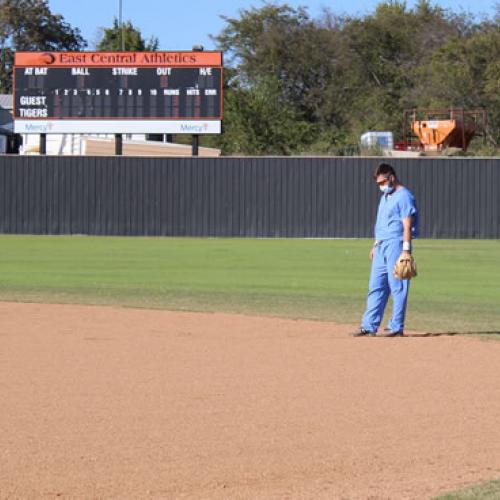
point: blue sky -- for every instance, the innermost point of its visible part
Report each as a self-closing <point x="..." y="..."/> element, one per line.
<point x="180" y="24"/>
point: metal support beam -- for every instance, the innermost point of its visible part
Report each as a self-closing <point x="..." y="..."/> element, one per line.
<point x="43" y="144"/>
<point x="118" y="144"/>
<point x="195" y="144"/>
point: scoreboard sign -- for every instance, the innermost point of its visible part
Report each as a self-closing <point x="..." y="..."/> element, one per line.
<point x="118" y="92"/>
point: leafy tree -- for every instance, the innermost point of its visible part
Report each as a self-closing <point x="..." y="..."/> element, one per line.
<point x="262" y="122"/>
<point x="388" y="49"/>
<point x="301" y="85"/>
<point x="30" y="25"/>
<point x="465" y="72"/>
<point x="133" y="40"/>
<point x="274" y="100"/>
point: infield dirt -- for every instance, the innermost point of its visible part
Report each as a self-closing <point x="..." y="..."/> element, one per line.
<point x="102" y="402"/>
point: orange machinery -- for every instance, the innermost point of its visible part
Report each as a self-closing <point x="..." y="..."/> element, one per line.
<point x="436" y="135"/>
<point x="439" y="130"/>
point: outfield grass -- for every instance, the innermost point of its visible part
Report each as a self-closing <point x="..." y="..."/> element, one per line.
<point x="457" y="288"/>
<point x="485" y="491"/>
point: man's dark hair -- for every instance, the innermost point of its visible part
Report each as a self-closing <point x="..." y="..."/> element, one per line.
<point x="384" y="169"/>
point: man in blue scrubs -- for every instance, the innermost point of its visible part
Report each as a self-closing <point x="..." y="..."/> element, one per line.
<point x="396" y="226"/>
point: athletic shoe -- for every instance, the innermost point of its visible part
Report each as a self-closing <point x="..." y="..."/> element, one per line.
<point x="363" y="333"/>
<point x="388" y="333"/>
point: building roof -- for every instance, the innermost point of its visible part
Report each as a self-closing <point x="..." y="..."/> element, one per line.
<point x="6" y="101"/>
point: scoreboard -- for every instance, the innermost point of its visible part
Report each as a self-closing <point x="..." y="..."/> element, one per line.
<point x="118" y="92"/>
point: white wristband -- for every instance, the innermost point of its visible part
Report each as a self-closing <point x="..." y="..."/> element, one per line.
<point x="406" y="246"/>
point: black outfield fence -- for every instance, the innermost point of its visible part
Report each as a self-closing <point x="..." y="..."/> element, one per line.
<point x="260" y="197"/>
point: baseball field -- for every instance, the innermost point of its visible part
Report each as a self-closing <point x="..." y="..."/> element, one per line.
<point x="223" y="368"/>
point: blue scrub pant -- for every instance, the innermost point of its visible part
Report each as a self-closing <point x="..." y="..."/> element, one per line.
<point x="382" y="283"/>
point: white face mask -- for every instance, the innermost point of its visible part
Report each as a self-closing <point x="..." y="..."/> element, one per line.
<point x="387" y="189"/>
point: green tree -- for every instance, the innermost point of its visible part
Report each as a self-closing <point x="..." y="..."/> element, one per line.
<point x="258" y="121"/>
<point x="465" y="72"/>
<point x="30" y="25"/>
<point x="282" y="61"/>
<point x="133" y="40"/>
<point x="387" y="50"/>
<point x="301" y="85"/>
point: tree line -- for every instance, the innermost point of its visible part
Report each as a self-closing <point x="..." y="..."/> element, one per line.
<point x="301" y="85"/>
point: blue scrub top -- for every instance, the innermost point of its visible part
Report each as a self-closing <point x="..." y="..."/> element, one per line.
<point x="392" y="209"/>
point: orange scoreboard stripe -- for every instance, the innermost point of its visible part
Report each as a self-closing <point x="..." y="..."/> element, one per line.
<point x="118" y="59"/>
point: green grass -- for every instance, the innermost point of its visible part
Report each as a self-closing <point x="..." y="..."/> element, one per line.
<point x="485" y="491"/>
<point x="456" y="290"/>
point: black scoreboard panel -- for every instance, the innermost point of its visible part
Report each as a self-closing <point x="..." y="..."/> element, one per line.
<point x="126" y="93"/>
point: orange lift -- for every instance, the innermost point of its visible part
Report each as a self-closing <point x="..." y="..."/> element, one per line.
<point x="438" y="130"/>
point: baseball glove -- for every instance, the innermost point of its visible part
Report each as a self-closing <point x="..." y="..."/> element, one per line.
<point x="405" y="268"/>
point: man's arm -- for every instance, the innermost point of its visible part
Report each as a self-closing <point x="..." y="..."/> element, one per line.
<point x="407" y="223"/>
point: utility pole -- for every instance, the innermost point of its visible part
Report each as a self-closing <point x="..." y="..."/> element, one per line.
<point x="121" y="25"/>
<point x="119" y="137"/>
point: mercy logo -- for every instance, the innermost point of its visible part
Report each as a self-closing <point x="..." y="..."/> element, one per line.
<point x="32" y="127"/>
<point x="38" y="128"/>
<point x="196" y="129"/>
